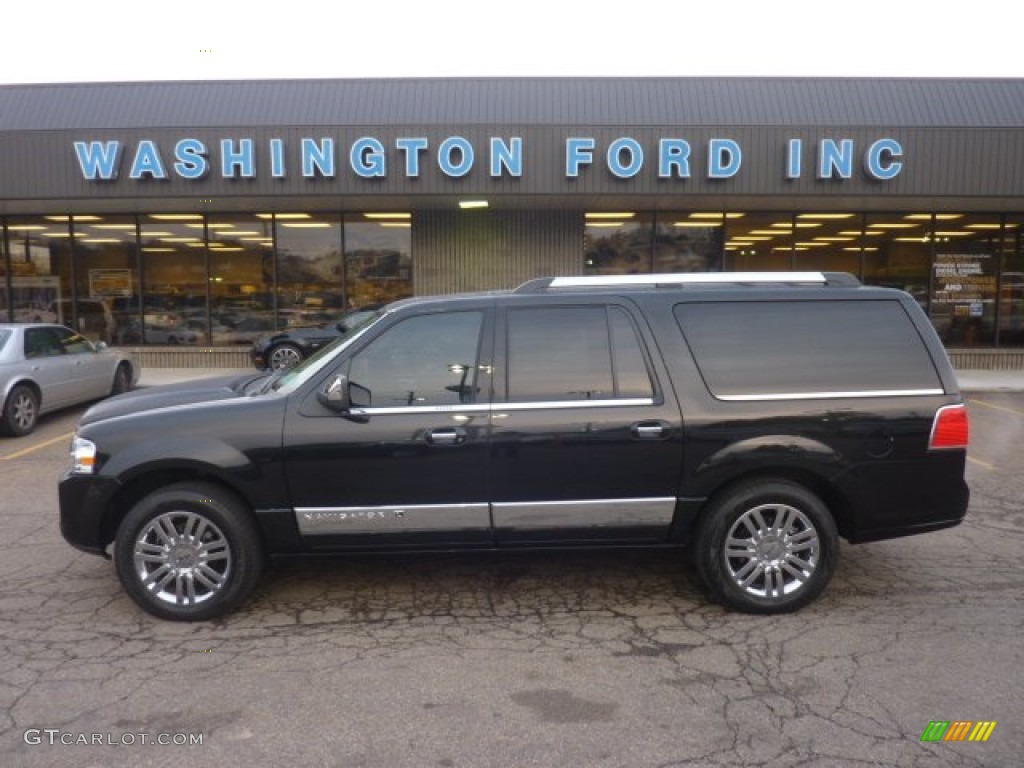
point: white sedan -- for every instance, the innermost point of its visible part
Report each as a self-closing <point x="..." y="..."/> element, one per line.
<point x="44" y="367"/>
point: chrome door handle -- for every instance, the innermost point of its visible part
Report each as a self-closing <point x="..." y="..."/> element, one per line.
<point x="650" y="430"/>
<point x="446" y="436"/>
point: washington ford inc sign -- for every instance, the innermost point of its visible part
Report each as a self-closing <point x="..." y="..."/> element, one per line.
<point x="455" y="157"/>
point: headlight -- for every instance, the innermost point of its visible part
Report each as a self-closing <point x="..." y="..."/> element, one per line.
<point x="83" y="456"/>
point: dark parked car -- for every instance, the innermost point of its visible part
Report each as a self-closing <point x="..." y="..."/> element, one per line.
<point x="287" y="348"/>
<point x="759" y="416"/>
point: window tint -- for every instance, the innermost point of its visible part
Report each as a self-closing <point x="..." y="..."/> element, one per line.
<point x="424" y="360"/>
<point x="771" y="348"/>
<point x="632" y="378"/>
<point x="566" y="353"/>
<point x="73" y="343"/>
<point x="41" y="342"/>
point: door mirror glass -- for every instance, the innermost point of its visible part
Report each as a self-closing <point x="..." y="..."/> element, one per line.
<point x="335" y="395"/>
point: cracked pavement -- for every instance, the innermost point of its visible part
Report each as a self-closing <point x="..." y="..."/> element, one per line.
<point x="525" y="659"/>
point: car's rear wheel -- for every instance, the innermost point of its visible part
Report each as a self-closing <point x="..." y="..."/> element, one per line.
<point x="766" y="546"/>
<point x="284" y="356"/>
<point x="189" y="552"/>
<point x="21" y="411"/>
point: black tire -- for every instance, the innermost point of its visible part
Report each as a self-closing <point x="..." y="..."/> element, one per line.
<point x="784" y="551"/>
<point x="284" y="356"/>
<point x="21" y="411"/>
<point x="195" y="535"/>
<point x="122" y="380"/>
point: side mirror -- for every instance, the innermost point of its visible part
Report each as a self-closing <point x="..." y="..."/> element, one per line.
<point x="341" y="396"/>
<point x="100" y="346"/>
<point x="334" y="396"/>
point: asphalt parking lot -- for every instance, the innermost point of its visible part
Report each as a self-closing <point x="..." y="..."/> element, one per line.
<point x="582" y="659"/>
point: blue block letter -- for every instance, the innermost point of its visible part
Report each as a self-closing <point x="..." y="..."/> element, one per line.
<point x="98" y="159"/>
<point x="578" y="152"/>
<point x="446" y="151"/>
<point x="412" y="148"/>
<point x="147" y="162"/>
<point x="881" y="159"/>
<point x="835" y="158"/>
<point x="367" y="158"/>
<point x="673" y="154"/>
<point x="508" y="156"/>
<point x="191" y="161"/>
<point x="724" y="158"/>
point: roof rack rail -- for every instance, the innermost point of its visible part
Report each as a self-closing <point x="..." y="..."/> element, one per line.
<point x="543" y="284"/>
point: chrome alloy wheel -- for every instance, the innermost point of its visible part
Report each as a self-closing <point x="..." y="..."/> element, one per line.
<point x="182" y="558"/>
<point x="23" y="410"/>
<point x="772" y="550"/>
<point x="285" y="356"/>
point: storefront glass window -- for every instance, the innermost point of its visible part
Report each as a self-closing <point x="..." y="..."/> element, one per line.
<point x="4" y="292"/>
<point x="618" y="243"/>
<point x="309" y="269"/>
<point x="1011" y="290"/>
<point x="898" y="252"/>
<point x="378" y="258"/>
<point x="686" y="244"/>
<point x="758" y="242"/>
<point x="40" y="259"/>
<point x="830" y="242"/>
<point x="174" y="284"/>
<point x="241" y="254"/>
<point x="967" y="251"/>
<point x="106" y="274"/>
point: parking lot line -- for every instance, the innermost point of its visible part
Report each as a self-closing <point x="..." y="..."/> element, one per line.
<point x="36" y="447"/>
<point x="984" y="464"/>
<point x="1015" y="411"/>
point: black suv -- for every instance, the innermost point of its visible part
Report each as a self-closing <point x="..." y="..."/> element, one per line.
<point x="758" y="416"/>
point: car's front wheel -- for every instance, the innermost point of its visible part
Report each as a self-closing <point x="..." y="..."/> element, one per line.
<point x="189" y="552"/>
<point x="766" y="546"/>
<point x="21" y="411"/>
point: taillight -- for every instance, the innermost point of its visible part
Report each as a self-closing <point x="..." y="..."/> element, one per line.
<point x="950" y="429"/>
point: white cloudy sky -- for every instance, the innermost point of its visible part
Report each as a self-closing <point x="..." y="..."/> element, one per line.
<point x="109" y="40"/>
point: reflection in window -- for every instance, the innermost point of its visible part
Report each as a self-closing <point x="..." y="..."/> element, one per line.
<point x="422" y="361"/>
<point x="41" y="342"/>
<point x="40" y="262"/>
<point x="106" y="268"/>
<point x="1011" y="290"/>
<point x="241" y="253"/>
<point x="574" y="353"/>
<point x="174" y="284"/>
<point x="897" y="252"/>
<point x="829" y="242"/>
<point x="617" y="243"/>
<point x="73" y="343"/>
<point x="967" y="251"/>
<point x="758" y="242"/>
<point x="683" y="243"/>
<point x="309" y="264"/>
<point x="378" y="261"/>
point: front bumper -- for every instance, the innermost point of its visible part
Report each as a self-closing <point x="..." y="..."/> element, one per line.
<point x="85" y="501"/>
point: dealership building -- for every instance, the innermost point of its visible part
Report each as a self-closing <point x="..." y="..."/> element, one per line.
<point x="206" y="213"/>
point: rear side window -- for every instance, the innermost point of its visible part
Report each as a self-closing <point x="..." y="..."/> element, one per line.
<point x="575" y="353"/>
<point x="766" y="350"/>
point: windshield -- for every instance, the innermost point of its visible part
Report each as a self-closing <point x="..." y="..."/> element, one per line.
<point x="292" y="378"/>
<point x="4" y="335"/>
